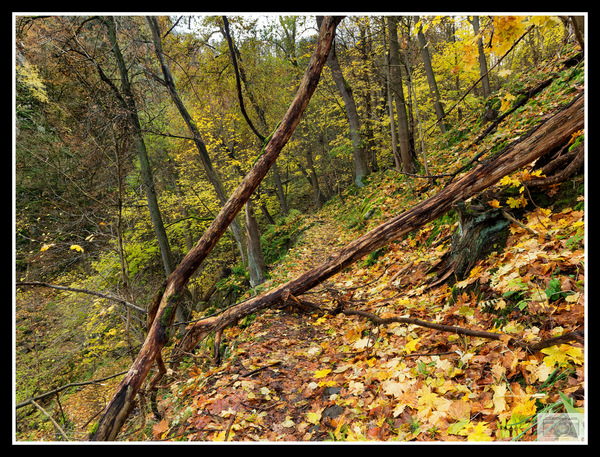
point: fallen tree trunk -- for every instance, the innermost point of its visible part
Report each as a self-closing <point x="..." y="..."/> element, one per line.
<point x="551" y="134"/>
<point x="162" y="311"/>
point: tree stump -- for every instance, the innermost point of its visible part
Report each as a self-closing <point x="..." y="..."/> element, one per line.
<point x="478" y="233"/>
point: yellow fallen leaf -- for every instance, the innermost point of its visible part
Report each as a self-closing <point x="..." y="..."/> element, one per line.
<point x="288" y="422"/>
<point x="322" y="373"/>
<point x="313" y="418"/>
<point x="507" y="101"/>
<point x="412" y="345"/>
<point x="480" y="432"/>
<point x="498" y="398"/>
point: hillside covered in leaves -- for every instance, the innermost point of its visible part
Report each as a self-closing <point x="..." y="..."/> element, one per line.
<point x="465" y="329"/>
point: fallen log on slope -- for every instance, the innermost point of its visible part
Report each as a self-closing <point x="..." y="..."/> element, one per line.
<point x="551" y="134"/>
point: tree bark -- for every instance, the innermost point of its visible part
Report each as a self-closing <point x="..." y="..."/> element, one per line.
<point x="483" y="70"/>
<point x="549" y="135"/>
<point x="128" y="102"/>
<point x="168" y="297"/>
<point x="439" y="109"/>
<point x="396" y="84"/>
<point x="256" y="262"/>
<point x="211" y="173"/>
<point x="361" y="168"/>
<point x="390" y="102"/>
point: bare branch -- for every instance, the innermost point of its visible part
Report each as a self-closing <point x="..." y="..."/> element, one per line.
<point x="83" y="291"/>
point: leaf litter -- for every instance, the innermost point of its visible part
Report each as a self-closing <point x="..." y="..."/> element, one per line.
<point x="292" y="375"/>
<point x="295" y="376"/>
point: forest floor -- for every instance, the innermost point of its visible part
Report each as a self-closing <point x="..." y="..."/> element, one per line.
<point x="291" y="375"/>
<point x="316" y="376"/>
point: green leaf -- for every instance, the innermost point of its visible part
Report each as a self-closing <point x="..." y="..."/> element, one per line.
<point x="454" y="429"/>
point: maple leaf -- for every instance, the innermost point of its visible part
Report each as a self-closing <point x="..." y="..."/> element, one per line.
<point x="480" y="432"/>
<point x="507" y="101"/>
<point x="362" y="343"/>
<point x="517" y="202"/>
<point x="562" y="355"/>
<point x="524" y="408"/>
<point x="460" y="410"/>
<point x="76" y="247"/>
<point x="160" y="428"/>
<point x="494" y="203"/>
<point x="510" y="181"/>
<point x="412" y="345"/>
<point x="356" y="387"/>
<point x="395" y="389"/>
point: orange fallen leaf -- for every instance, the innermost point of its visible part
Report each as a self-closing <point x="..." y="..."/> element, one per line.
<point x="160" y="428"/>
<point x="373" y="432"/>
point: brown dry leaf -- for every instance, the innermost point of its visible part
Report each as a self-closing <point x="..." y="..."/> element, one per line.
<point x="459" y="410"/>
<point x="160" y="428"/>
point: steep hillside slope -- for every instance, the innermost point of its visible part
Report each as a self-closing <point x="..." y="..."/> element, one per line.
<point x="352" y="361"/>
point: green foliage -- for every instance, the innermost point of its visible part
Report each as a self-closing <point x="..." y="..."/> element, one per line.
<point x="277" y="239"/>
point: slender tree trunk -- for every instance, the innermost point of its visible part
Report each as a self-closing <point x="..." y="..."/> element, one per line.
<point x="147" y="178"/>
<point x="367" y="59"/>
<point x="162" y="310"/>
<point x="396" y="84"/>
<point x="256" y="262"/>
<point x="240" y="75"/>
<point x="390" y="103"/>
<point x="211" y="173"/>
<point x="578" y="23"/>
<point x="361" y="168"/>
<point x="485" y="81"/>
<point x="435" y="93"/>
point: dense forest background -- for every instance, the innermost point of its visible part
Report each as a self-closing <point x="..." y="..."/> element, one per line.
<point x="132" y="132"/>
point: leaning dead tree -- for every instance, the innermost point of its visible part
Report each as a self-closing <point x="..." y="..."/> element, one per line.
<point x="161" y="313"/>
<point x="548" y="136"/>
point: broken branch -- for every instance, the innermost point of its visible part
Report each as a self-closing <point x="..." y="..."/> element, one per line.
<point x="534" y="347"/>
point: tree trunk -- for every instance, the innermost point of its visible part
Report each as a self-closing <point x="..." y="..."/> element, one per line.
<point x="240" y="75"/>
<point x="485" y="81"/>
<point x="549" y="135"/>
<point x="578" y="28"/>
<point x="390" y="103"/>
<point x="162" y="310"/>
<point x="211" y="173"/>
<point x="396" y="84"/>
<point x="256" y="262"/>
<point x="360" y="157"/>
<point x="473" y="239"/>
<point x="128" y="103"/>
<point x="439" y="109"/>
